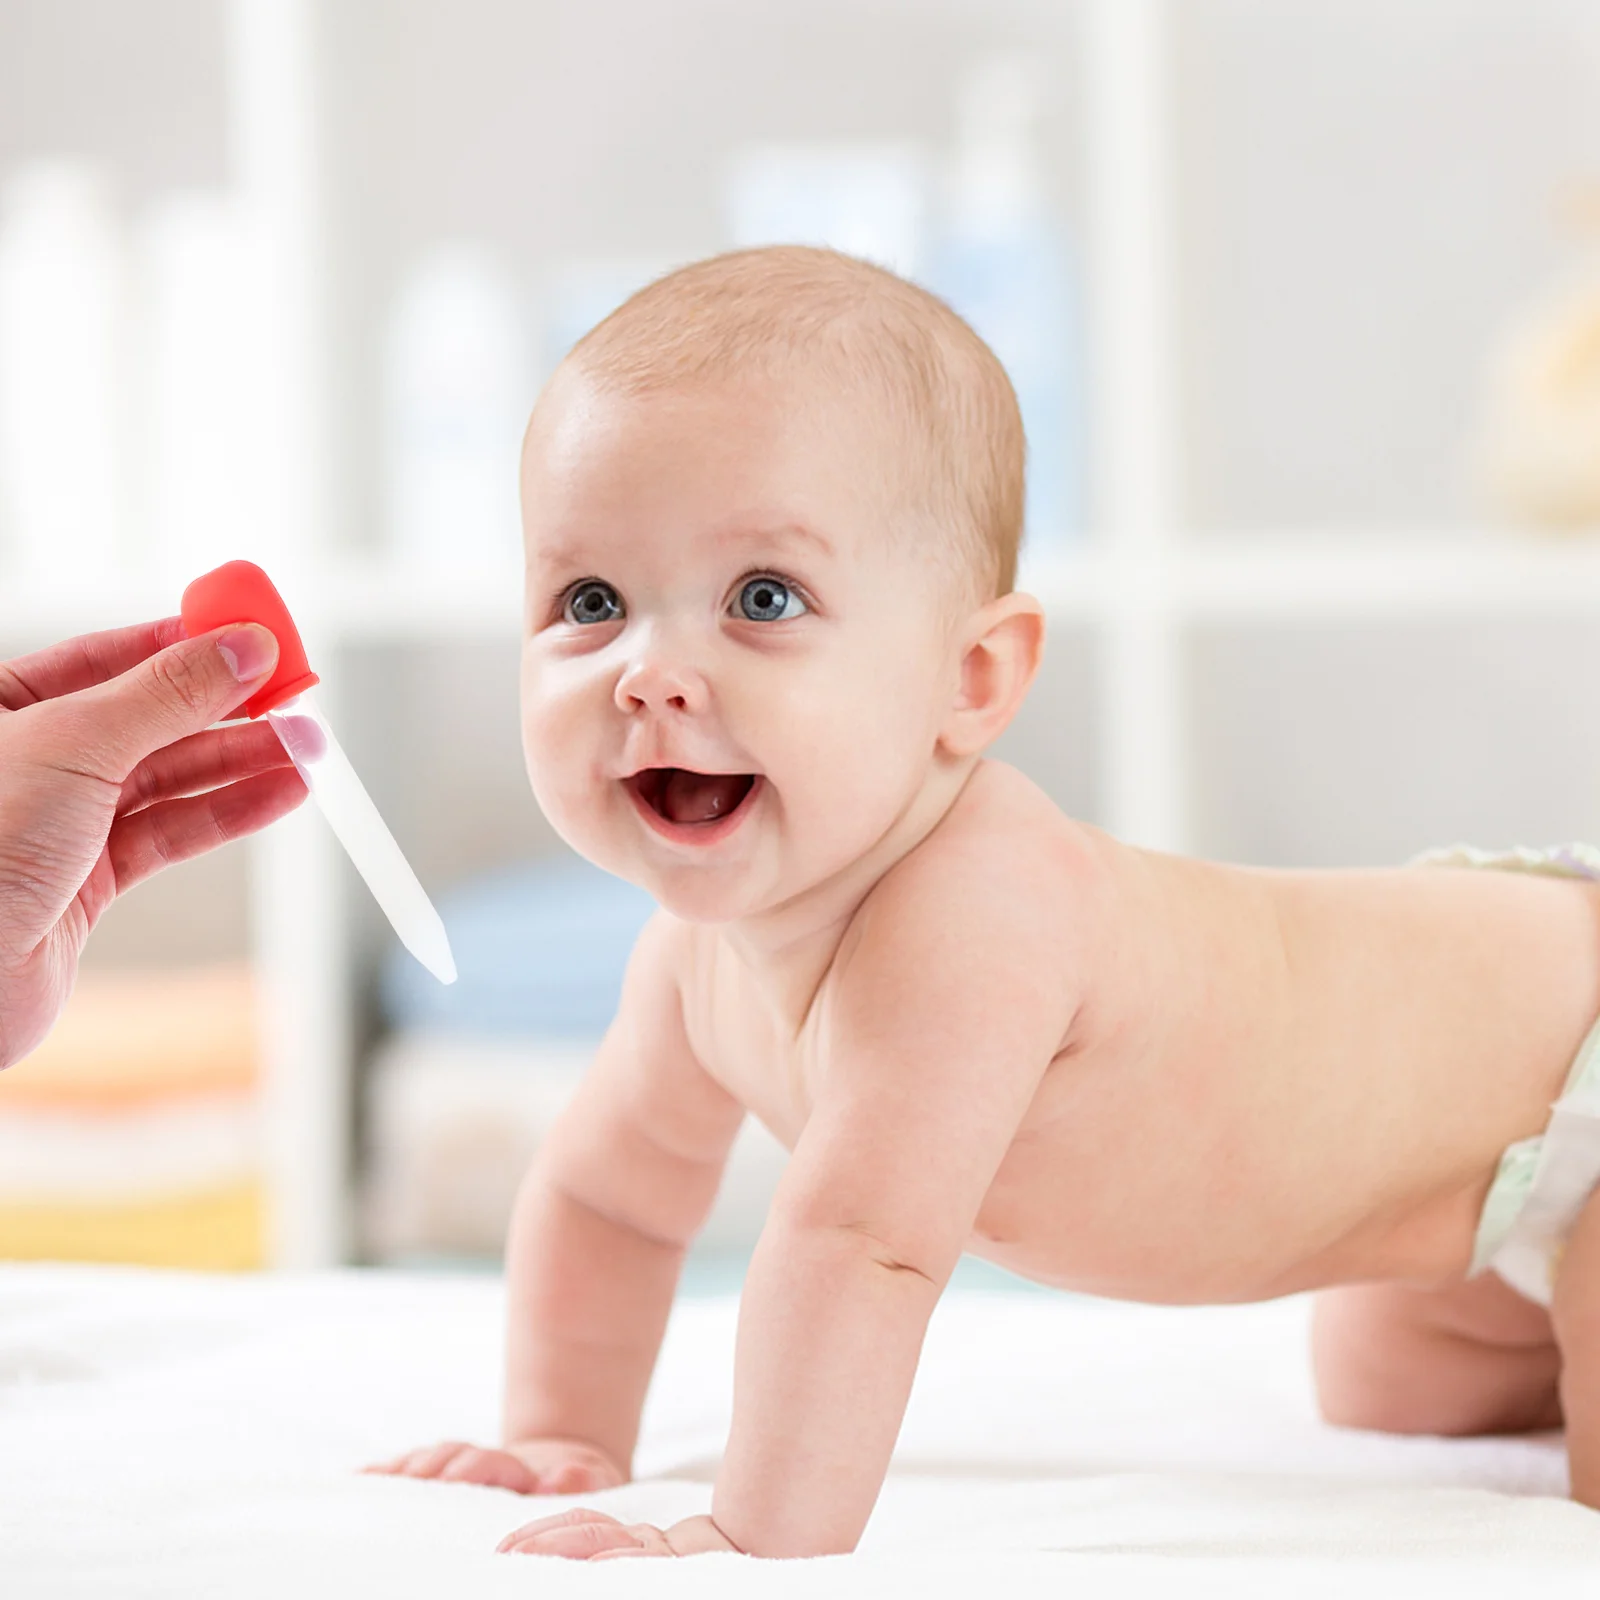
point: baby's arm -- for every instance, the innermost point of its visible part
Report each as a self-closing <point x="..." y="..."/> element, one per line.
<point x="610" y="1204"/>
<point x="948" y="1011"/>
<point x="618" y="1192"/>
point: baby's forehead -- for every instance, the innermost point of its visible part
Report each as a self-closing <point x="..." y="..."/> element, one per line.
<point x="823" y="444"/>
<point x="770" y="451"/>
<point x="581" y="407"/>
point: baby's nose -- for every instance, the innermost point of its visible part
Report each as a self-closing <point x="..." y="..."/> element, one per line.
<point x="655" y="682"/>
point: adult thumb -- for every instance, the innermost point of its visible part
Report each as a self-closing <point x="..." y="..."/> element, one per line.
<point x="176" y="692"/>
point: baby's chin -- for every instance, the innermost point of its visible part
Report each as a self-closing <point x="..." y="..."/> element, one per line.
<point x="752" y="879"/>
<point x="701" y="894"/>
<point x="693" y="892"/>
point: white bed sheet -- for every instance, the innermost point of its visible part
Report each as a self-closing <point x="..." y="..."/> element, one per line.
<point x="167" y="1435"/>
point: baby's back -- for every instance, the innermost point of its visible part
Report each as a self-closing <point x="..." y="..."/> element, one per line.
<point x="1270" y="1080"/>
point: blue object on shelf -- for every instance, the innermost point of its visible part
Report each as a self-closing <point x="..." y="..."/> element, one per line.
<point x="1003" y="264"/>
<point x="541" y="950"/>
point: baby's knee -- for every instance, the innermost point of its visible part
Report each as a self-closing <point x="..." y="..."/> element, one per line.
<point x="1381" y="1364"/>
<point x="1356" y="1394"/>
<point x="1404" y="1399"/>
<point x="1362" y="1379"/>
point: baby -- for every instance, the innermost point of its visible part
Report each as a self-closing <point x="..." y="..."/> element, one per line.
<point x="772" y="511"/>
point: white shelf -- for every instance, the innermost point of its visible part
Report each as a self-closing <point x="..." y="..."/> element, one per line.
<point x="352" y="601"/>
<point x="1362" y="576"/>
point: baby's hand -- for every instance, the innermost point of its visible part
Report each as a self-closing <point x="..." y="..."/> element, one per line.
<point x="582" y="1535"/>
<point x="538" y="1466"/>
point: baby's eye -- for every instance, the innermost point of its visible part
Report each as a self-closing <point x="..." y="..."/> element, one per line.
<point x="770" y="600"/>
<point x="592" y="601"/>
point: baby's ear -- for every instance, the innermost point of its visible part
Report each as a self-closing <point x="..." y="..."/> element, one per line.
<point x="1002" y="646"/>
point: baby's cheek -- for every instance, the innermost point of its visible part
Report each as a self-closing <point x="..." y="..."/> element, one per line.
<point x="556" y="768"/>
<point x="583" y="818"/>
<point x="843" y="793"/>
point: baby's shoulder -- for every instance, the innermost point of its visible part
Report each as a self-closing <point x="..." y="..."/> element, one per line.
<point x="1004" y="821"/>
<point x="1005" y="864"/>
<point x="984" y="933"/>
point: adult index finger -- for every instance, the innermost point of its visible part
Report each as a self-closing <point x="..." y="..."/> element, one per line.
<point x="81" y="663"/>
<point x="106" y="731"/>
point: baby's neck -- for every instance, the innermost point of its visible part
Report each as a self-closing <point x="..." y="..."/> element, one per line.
<point x="789" y="948"/>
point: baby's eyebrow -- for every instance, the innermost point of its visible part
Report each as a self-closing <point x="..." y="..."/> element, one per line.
<point x="566" y="553"/>
<point x="778" y="533"/>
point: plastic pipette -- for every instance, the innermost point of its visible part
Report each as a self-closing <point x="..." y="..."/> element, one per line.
<point x="239" y="591"/>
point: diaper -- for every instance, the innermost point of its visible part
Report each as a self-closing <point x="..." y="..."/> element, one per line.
<point x="1541" y="1184"/>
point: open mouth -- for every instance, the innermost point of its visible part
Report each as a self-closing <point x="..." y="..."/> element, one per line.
<point x="691" y="800"/>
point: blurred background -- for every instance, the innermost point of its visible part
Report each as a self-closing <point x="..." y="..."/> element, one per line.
<point x="1302" y="302"/>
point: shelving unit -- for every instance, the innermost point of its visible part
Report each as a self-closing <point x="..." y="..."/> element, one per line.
<point x="1137" y="588"/>
<point x="1362" y="576"/>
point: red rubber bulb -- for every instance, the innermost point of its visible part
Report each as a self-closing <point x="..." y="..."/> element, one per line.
<point x="239" y="591"/>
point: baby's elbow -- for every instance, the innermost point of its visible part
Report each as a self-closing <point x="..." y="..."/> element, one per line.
<point x="883" y="1250"/>
<point x="884" y="1253"/>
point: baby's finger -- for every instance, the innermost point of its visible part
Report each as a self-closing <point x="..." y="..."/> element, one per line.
<point x="652" y="1542"/>
<point x="576" y="1534"/>
<point x="397" y="1468"/>
<point x="428" y="1462"/>
<point x="497" y="1469"/>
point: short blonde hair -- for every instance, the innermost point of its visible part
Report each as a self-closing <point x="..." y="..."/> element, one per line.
<point x="786" y="308"/>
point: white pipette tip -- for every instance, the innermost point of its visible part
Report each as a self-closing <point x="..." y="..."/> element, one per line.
<point x="431" y="946"/>
<point x="356" y="824"/>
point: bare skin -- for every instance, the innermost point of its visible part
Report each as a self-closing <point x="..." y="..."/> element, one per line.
<point x="110" y="770"/>
<point x="979" y="1025"/>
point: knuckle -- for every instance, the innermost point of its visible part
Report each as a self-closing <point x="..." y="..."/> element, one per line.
<point x="141" y="786"/>
<point x="176" y="676"/>
<point x="14" y="693"/>
<point x="163" y="846"/>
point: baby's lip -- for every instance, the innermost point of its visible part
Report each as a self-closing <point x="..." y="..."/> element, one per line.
<point x="689" y="805"/>
<point x="630" y="775"/>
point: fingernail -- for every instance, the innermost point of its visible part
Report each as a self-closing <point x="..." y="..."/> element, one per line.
<point x="250" y="652"/>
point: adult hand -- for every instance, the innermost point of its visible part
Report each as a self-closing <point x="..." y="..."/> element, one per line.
<point x="108" y="774"/>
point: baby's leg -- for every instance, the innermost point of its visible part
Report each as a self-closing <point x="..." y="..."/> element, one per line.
<point x="1472" y="1357"/>
<point x="1576" y="1314"/>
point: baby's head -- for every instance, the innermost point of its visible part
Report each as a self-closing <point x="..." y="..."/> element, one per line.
<point x="772" y="507"/>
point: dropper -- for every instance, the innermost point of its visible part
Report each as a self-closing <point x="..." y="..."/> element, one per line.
<point x="239" y="591"/>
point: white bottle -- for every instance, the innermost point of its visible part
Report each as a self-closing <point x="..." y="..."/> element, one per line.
<point x="62" y="402"/>
<point x="1002" y="263"/>
<point x="202" y="385"/>
<point x="581" y="291"/>
<point x="459" y="382"/>
<point x="867" y="199"/>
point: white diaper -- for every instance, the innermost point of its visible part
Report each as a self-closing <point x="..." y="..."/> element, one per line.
<point x="1543" y="1183"/>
